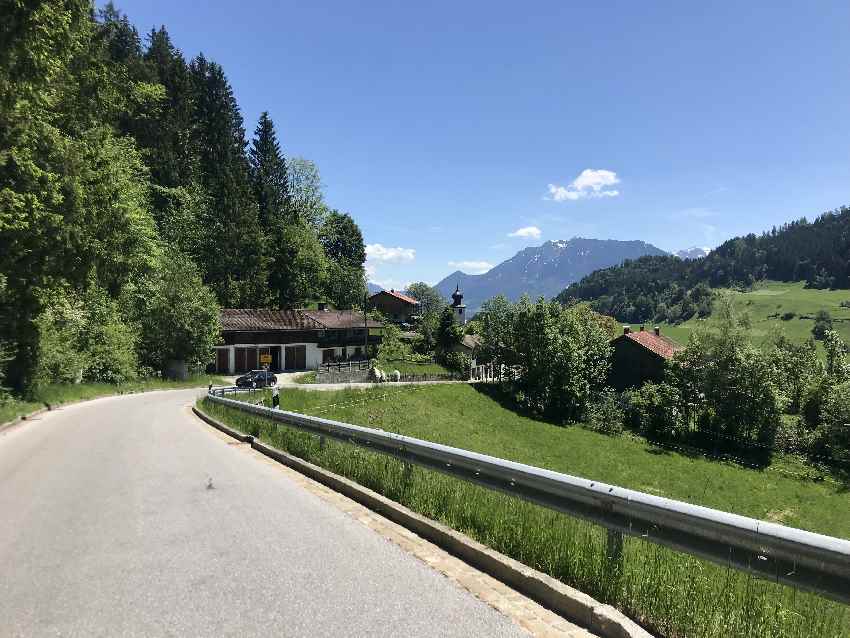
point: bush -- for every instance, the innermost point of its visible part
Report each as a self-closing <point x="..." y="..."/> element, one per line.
<point x="813" y="400"/>
<point x="787" y="316"/>
<point x="82" y="337"/>
<point x="823" y="322"/>
<point x="606" y="415"/>
<point x="653" y="409"/>
<point x="455" y="362"/>
<point x="833" y="434"/>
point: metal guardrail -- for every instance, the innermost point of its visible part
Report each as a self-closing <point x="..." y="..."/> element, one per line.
<point x="794" y="557"/>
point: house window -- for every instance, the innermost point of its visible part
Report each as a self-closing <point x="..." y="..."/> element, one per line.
<point x="358" y="351"/>
<point x="327" y="355"/>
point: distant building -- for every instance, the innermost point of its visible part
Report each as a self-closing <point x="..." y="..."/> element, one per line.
<point x="470" y="345"/>
<point x="396" y="306"/>
<point x="291" y="339"/>
<point x="639" y="357"/>
<point x="458" y="307"/>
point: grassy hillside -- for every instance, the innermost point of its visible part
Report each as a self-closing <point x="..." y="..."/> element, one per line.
<point x="462" y="416"/>
<point x="770" y="301"/>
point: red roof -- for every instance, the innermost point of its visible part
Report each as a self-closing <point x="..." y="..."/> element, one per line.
<point x="397" y="295"/>
<point x="658" y="344"/>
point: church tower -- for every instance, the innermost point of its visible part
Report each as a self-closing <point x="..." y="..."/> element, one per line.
<point x="458" y="308"/>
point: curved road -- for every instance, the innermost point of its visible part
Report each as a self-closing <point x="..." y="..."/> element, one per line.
<point x="108" y="528"/>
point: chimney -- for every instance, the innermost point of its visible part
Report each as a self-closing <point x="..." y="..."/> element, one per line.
<point x="627" y="329"/>
<point x="657" y="331"/>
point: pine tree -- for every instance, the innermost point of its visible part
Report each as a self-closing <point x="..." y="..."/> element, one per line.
<point x="268" y="174"/>
<point x="171" y="156"/>
<point x="232" y="255"/>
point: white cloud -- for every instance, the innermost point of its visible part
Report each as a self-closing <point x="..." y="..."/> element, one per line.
<point x="590" y="184"/>
<point x="379" y="252"/>
<point x="472" y="267"/>
<point x="526" y="231"/>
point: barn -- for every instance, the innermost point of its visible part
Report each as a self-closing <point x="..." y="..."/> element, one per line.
<point x="639" y="356"/>
<point x="289" y="340"/>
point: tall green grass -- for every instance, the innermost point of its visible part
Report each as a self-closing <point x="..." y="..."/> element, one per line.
<point x="670" y="593"/>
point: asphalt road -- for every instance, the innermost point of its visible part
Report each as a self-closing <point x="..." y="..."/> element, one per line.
<point x="108" y="528"/>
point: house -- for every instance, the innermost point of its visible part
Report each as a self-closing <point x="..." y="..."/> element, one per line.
<point x="292" y="339"/>
<point x="470" y="345"/>
<point x="398" y="307"/>
<point x="639" y="357"/>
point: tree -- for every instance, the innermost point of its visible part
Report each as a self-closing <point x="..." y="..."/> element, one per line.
<point x="268" y="174"/>
<point x="431" y="302"/>
<point x="299" y="268"/>
<point x="343" y="244"/>
<point x="306" y="189"/>
<point x="177" y="315"/>
<point x="730" y="383"/>
<point x="836" y="356"/>
<point x="232" y="257"/>
<point x="342" y="240"/>
<point x="823" y="322"/>
<point x="449" y="333"/>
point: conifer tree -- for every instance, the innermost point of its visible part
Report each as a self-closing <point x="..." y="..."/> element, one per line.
<point x="232" y="252"/>
<point x="268" y="174"/>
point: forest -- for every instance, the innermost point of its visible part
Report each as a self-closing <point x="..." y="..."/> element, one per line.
<point x="133" y="205"/>
<point x="670" y="289"/>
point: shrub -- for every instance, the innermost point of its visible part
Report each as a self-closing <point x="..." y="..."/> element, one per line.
<point x="813" y="400"/>
<point x="834" y="431"/>
<point x="787" y="316"/>
<point x="823" y="322"/>
<point x="455" y="362"/>
<point x="82" y="337"/>
<point x="606" y="414"/>
<point x="654" y="410"/>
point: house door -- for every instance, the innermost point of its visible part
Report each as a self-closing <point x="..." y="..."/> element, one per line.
<point x="221" y="360"/>
<point x="252" y="359"/>
<point x="275" y="366"/>
<point x="296" y="357"/>
<point x="241" y="360"/>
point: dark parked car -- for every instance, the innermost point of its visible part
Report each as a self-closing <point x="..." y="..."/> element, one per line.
<point x="257" y="378"/>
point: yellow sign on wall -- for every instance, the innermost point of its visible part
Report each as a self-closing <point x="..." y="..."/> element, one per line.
<point x="265" y="358"/>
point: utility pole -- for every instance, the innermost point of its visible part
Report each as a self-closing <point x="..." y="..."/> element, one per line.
<point x="365" y="325"/>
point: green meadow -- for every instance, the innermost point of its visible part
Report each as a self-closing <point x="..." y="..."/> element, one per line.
<point x="769" y="303"/>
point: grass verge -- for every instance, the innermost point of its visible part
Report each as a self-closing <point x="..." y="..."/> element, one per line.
<point x="670" y="593"/>
<point x="408" y="367"/>
<point x="306" y="378"/>
<point x="58" y="394"/>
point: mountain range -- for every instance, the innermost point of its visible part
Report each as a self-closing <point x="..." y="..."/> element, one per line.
<point x="694" y="252"/>
<point x="543" y="270"/>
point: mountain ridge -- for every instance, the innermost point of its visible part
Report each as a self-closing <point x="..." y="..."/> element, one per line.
<point x="543" y="270"/>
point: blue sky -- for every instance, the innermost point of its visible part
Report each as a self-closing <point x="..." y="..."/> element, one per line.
<point x="446" y="127"/>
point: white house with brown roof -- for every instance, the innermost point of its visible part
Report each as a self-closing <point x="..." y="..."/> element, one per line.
<point x="292" y="339"/>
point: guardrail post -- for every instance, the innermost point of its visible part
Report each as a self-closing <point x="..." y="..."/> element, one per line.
<point x="323" y="442"/>
<point x="614" y="551"/>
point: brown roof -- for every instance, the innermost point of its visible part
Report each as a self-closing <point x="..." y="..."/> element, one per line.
<point x="340" y="319"/>
<point x="397" y="295"/>
<point x="471" y="341"/>
<point x="658" y="344"/>
<point x="258" y="320"/>
<point x="251" y="320"/>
